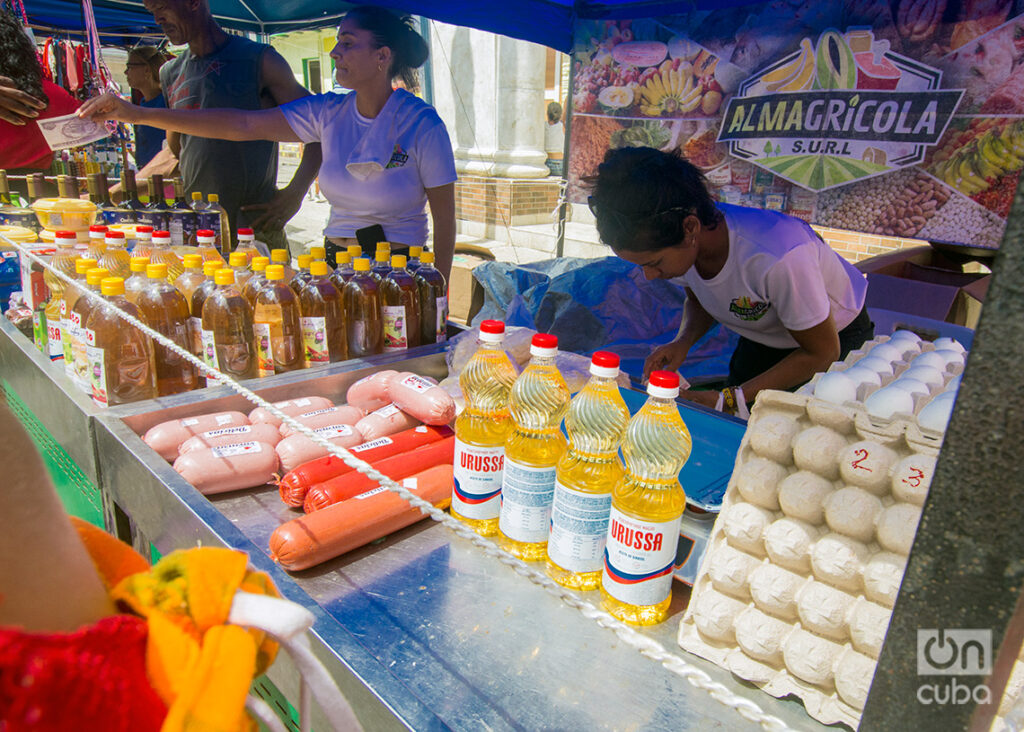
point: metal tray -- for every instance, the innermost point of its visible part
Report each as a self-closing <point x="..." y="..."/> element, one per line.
<point x="421" y="630"/>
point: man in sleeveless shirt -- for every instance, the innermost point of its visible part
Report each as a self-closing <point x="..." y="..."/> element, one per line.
<point x="221" y="70"/>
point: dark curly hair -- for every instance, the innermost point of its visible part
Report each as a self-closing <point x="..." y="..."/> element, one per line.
<point x="18" y="59"/>
<point x="642" y="196"/>
<point x="396" y="31"/>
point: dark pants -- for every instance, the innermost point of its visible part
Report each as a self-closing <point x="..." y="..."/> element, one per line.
<point x="751" y="358"/>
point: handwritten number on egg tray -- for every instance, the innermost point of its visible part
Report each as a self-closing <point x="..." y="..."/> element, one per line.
<point x="863" y="455"/>
<point x="914" y="479"/>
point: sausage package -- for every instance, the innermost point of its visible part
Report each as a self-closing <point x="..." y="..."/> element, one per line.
<point x="422" y="398"/>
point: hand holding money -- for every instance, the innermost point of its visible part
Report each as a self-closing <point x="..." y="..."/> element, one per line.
<point x="108" y="106"/>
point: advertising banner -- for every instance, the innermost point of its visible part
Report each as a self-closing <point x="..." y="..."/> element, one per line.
<point x="901" y="118"/>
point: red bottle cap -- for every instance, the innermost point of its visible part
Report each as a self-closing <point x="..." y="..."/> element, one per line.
<point x="492" y="326"/>
<point x="65" y="235"/>
<point x="98" y="228"/>
<point x="115" y="234"/>
<point x="545" y="340"/>
<point x="664" y="379"/>
<point x="246" y="232"/>
<point x="605" y="359"/>
<point x="144" y="229"/>
<point x="206" y="232"/>
<point x="161" y="234"/>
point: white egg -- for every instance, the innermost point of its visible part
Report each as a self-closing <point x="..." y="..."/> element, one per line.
<point x="936" y="413"/>
<point x="836" y="387"/>
<point x="927" y="374"/>
<point x="952" y="358"/>
<point x="906" y="335"/>
<point x="949" y="344"/>
<point x="864" y="376"/>
<point x="889" y="401"/>
<point x="881" y="366"/>
<point x="912" y="386"/>
<point x="886" y="352"/>
<point x="930" y="358"/>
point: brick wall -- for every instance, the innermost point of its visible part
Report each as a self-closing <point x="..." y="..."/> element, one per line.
<point x="854" y="246"/>
<point x="505" y="201"/>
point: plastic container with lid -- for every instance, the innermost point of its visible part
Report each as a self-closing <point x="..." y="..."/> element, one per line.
<point x="70" y="214"/>
<point x="18" y="234"/>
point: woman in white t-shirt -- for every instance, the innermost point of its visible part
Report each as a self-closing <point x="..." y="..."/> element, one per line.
<point x="386" y="153"/>
<point x="796" y="304"/>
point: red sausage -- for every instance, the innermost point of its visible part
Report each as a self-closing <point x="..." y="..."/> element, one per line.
<point x="396" y="467"/>
<point x="370" y="392"/>
<point x="294" y="485"/>
<point x="296" y="449"/>
<point x="167" y="437"/>
<point x="422" y="398"/>
<point x="309" y="540"/>
<point x="385" y="421"/>
<point x="229" y="467"/>
<point x="324" y="418"/>
<point x="291" y="407"/>
<point x="230" y="435"/>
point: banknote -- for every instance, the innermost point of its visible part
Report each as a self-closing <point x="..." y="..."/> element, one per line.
<point x="70" y="131"/>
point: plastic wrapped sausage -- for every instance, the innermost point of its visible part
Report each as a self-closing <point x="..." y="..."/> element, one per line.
<point x="291" y="407"/>
<point x="229" y="435"/>
<point x="370" y="392"/>
<point x="229" y="467"/>
<point x="167" y="437"/>
<point x="296" y="449"/>
<point x="422" y="398"/>
<point x="385" y="421"/>
<point x="325" y="418"/>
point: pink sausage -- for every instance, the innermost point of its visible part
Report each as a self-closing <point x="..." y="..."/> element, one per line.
<point x="422" y="398"/>
<point x="370" y="392"/>
<point x="291" y="407"/>
<point x="296" y="449"/>
<point x="229" y="467"/>
<point x="166" y="437"/>
<point x="325" y="418"/>
<point x="385" y="421"/>
<point x="229" y="435"/>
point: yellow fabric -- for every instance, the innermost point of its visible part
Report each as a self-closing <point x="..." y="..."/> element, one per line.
<point x="113" y="559"/>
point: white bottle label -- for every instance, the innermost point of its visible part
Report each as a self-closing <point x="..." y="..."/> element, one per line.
<point x="442" y="319"/>
<point x="638" y="559"/>
<point x="97" y="374"/>
<point x="314" y="337"/>
<point x="55" y="345"/>
<point x="244" y="429"/>
<point x="526" y="494"/>
<point x="335" y="430"/>
<point x="579" y="525"/>
<point x="416" y="383"/>
<point x="396" y="336"/>
<point x="264" y="349"/>
<point x="208" y="348"/>
<point x="239" y="448"/>
<point x="476" y="493"/>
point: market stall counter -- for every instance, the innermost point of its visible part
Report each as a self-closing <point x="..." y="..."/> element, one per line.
<point x="423" y="629"/>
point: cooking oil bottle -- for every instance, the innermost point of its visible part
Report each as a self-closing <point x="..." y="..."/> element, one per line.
<point x="97" y="232"/>
<point x="120" y="356"/>
<point x="323" y="318"/>
<point x="585" y="476"/>
<point x="415" y="254"/>
<point x="227" y="335"/>
<point x="79" y="314"/>
<point x="257" y="280"/>
<point x="197" y="206"/>
<point x="277" y="325"/>
<point x="181" y="221"/>
<point x="647" y="506"/>
<point x="355" y="251"/>
<point x="67" y="302"/>
<point x="320" y="253"/>
<point x="281" y="256"/>
<point x="343" y="272"/>
<point x="137" y="281"/>
<point x="191" y="277"/>
<point x="303" y="275"/>
<point x="215" y="218"/>
<point x="199" y="297"/>
<point x="64" y="261"/>
<point x="115" y="259"/>
<point x="381" y="262"/>
<point x="143" y="242"/>
<point x="400" y="307"/>
<point x="433" y="300"/>
<point x="240" y="264"/>
<point x="163" y="254"/>
<point x="247" y="244"/>
<point x="362" y="304"/>
<point x="539" y="400"/>
<point x="480" y="432"/>
<point x="165" y="310"/>
<point x="206" y="241"/>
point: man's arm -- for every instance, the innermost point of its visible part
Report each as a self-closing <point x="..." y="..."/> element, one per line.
<point x="442" y="213"/>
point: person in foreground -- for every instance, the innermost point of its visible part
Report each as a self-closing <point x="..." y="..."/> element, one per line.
<point x="796" y="304"/>
<point x="386" y="153"/>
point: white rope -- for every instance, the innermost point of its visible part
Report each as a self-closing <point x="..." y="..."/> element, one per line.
<point x="645" y="645"/>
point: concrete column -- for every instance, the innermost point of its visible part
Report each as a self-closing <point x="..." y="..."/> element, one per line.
<point x="489" y="90"/>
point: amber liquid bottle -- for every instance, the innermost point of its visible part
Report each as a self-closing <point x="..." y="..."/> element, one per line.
<point x="199" y="297"/>
<point x="362" y="301"/>
<point x="344" y="272"/>
<point x="206" y="241"/>
<point x="192" y="277"/>
<point x="320" y="253"/>
<point x="166" y="311"/>
<point x="400" y="308"/>
<point x="281" y="256"/>
<point x="277" y="324"/>
<point x="323" y="318"/>
<point x="433" y="301"/>
<point x="228" y="340"/>
<point x="239" y="263"/>
<point x="138" y="281"/>
<point x="258" y="279"/>
<point x="78" y="315"/>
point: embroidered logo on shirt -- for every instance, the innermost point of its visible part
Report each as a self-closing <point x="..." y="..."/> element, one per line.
<point x="746" y="309"/>
<point x="398" y="158"/>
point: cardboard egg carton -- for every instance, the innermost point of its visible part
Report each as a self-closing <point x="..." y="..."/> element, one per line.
<point x="806" y="559"/>
<point x="906" y="420"/>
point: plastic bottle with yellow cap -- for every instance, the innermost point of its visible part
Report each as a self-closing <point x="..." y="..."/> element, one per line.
<point x="191" y="277"/>
<point x="381" y="263"/>
<point x="228" y="339"/>
<point x="282" y="257"/>
<point x="199" y="297"/>
<point x="433" y="301"/>
<point x="258" y="279"/>
<point x="320" y="253"/>
<point x="400" y="308"/>
<point x="165" y="310"/>
<point x="362" y="303"/>
<point x="323" y="318"/>
<point x="414" y="260"/>
<point x="77" y="316"/>
<point x="120" y="356"/>
<point x="137" y="281"/>
<point x="303" y="275"/>
<point x="238" y="262"/>
<point x="344" y="271"/>
<point x="214" y="218"/>
<point x="67" y="302"/>
<point x="277" y="326"/>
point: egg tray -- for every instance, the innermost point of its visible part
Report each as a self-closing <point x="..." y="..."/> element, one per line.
<point x="805" y="561"/>
<point x="922" y="434"/>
